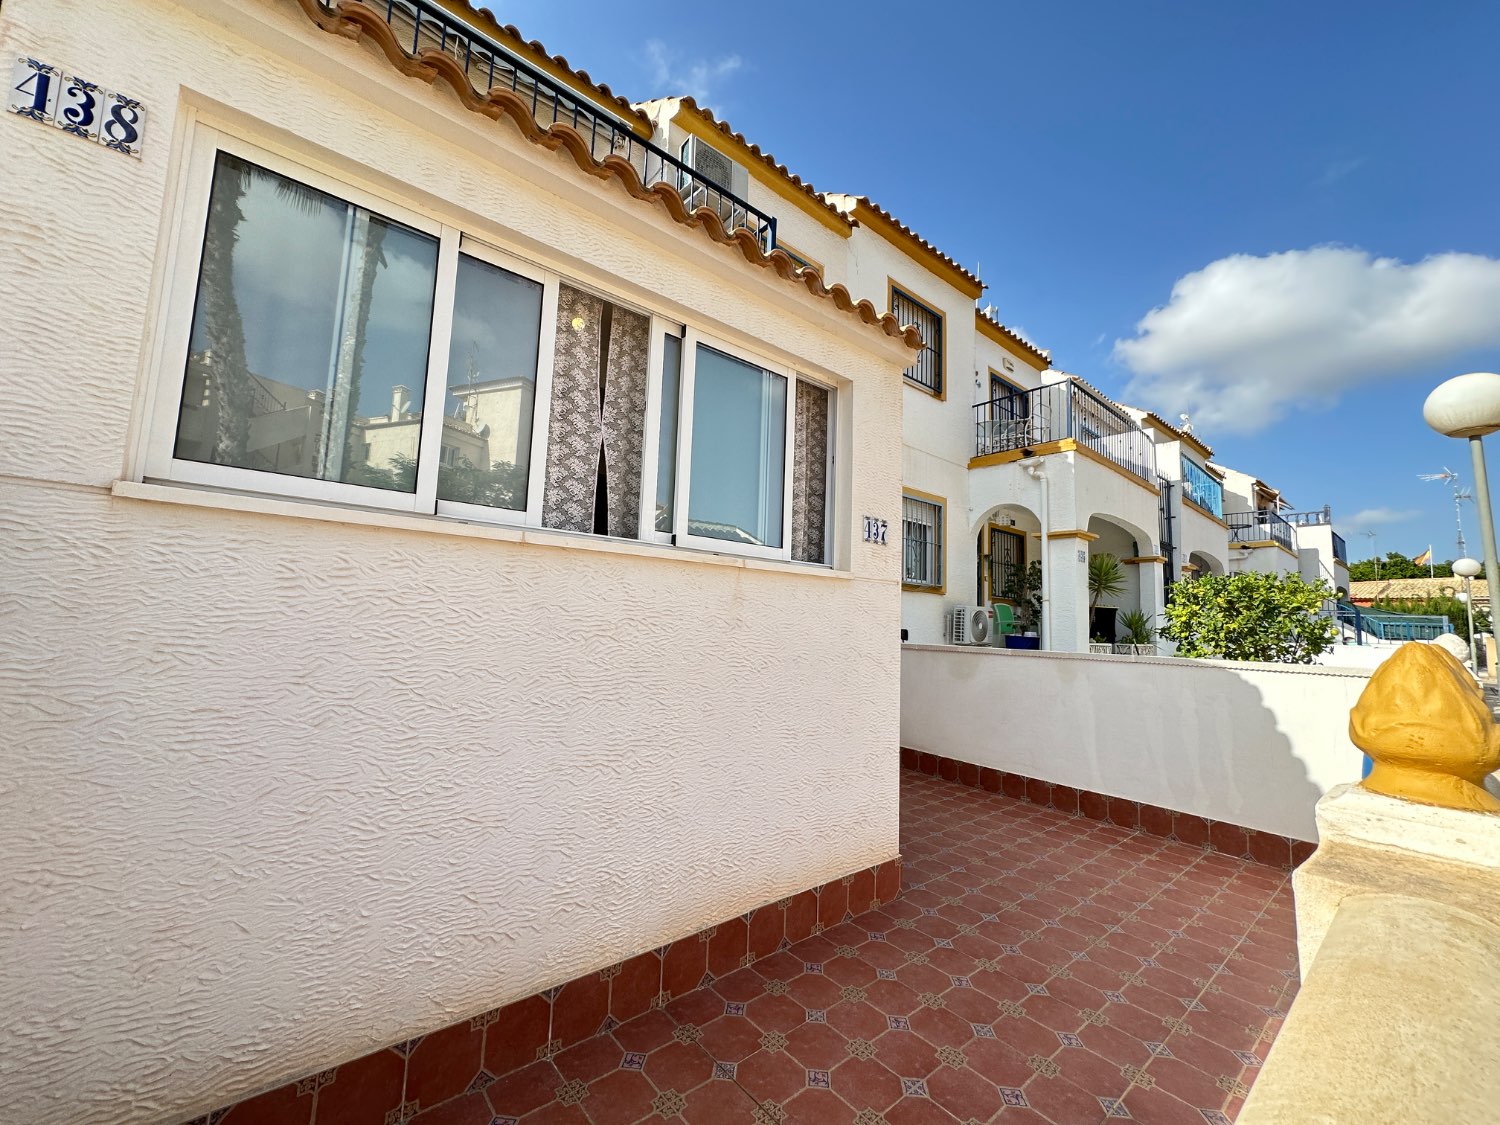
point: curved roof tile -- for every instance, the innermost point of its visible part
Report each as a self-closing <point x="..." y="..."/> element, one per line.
<point x="353" y="19"/>
<point x="765" y="158"/>
<point x="858" y="203"/>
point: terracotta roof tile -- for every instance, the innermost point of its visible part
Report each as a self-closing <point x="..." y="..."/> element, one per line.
<point x="1044" y="360"/>
<point x="764" y="157"/>
<point x="509" y="36"/>
<point x="862" y="206"/>
<point x="353" y="19"/>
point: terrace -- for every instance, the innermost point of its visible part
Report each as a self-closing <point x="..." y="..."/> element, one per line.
<point x="1064" y="412"/>
<point x="1040" y="965"/>
<point x="1258" y="529"/>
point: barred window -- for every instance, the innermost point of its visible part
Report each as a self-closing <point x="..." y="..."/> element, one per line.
<point x="922" y="542"/>
<point x="927" y="372"/>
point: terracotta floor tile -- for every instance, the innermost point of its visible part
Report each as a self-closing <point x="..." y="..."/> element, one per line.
<point x="679" y="1066"/>
<point x="816" y="1046"/>
<point x="866" y="1084"/>
<point x="720" y="1102"/>
<point x="771" y="1076"/>
<point x="529" y="1088"/>
<point x="730" y="1039"/>
<point x="468" y="1109"/>
<point x="1062" y="1102"/>
<point x="918" y="1111"/>
<point x="619" y="1098"/>
<point x="816" y="1107"/>
<point x="1157" y="1106"/>
<point x="964" y="1092"/>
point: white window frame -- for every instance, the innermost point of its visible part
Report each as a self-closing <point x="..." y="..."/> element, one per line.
<point x="541" y="403"/>
<point x="651" y="438"/>
<point x="691" y="341"/>
<point x="153" y="458"/>
<point x="160" y="461"/>
<point x="830" y="481"/>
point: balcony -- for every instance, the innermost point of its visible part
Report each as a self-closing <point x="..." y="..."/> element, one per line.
<point x="1252" y="529"/>
<point x="1064" y="411"/>
<point x="422" y="25"/>
<point x="1202" y="489"/>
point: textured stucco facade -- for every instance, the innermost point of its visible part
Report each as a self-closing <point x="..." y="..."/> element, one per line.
<point x="287" y="782"/>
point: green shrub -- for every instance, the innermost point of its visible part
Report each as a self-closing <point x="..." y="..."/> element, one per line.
<point x="1262" y="617"/>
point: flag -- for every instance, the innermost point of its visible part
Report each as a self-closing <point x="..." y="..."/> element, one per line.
<point x="1424" y="558"/>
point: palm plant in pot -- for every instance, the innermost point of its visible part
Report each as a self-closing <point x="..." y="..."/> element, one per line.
<point x="1025" y="590"/>
<point x="1137" y="634"/>
<point x="1106" y="580"/>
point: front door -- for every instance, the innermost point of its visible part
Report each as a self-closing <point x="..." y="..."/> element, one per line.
<point x="1007" y="554"/>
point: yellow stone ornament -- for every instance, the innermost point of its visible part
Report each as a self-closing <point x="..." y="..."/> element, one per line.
<point x="1423" y="722"/>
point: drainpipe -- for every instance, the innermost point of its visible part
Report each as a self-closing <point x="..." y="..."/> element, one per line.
<point x="1034" y="470"/>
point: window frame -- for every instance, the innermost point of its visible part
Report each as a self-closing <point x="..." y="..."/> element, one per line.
<point x="939" y="392"/>
<point x="692" y="339"/>
<point x="941" y="526"/>
<point x="160" y="460"/>
<point x="830" y="482"/>
<point x="150" y="458"/>
<point x="989" y="567"/>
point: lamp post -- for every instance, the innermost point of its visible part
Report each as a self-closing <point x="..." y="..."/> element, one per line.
<point x="1468" y="406"/>
<point x="1467" y="569"/>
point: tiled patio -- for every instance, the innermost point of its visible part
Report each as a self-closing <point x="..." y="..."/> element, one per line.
<point x="1035" y="968"/>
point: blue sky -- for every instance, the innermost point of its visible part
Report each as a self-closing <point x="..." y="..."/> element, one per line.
<point x="1310" y="192"/>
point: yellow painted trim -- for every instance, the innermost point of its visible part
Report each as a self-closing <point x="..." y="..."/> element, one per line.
<point x="1146" y="559"/>
<point x="638" y="122"/>
<point x="1009" y="456"/>
<point x="1202" y="511"/>
<point x="1070" y="533"/>
<point x="926" y="257"/>
<point x="891" y="285"/>
<point x="990" y="331"/>
<point x="1126" y="473"/>
<point x="1194" y="567"/>
<point x="808" y="258"/>
<point x="690" y="122"/>
<point x="941" y="502"/>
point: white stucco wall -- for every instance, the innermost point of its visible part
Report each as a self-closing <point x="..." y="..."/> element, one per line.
<point x="1255" y="745"/>
<point x="281" y="790"/>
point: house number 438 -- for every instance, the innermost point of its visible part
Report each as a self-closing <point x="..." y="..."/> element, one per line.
<point x="42" y="92"/>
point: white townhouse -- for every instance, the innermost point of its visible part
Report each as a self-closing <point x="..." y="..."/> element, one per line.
<point x="433" y="520"/>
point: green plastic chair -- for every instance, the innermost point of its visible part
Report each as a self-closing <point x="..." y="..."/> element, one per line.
<point x="1005" y="619"/>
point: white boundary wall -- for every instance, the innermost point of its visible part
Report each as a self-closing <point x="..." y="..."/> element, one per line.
<point x="1251" y="744"/>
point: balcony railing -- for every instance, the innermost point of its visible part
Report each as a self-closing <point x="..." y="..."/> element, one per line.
<point x="1056" y="412"/>
<point x="1202" y="489"/>
<point x="1322" y="517"/>
<point x="422" y="24"/>
<point x="1259" y="527"/>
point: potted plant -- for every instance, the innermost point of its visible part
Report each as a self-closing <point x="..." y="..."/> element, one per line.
<point x="1106" y="580"/>
<point x="1138" y="633"/>
<point x="1025" y="590"/>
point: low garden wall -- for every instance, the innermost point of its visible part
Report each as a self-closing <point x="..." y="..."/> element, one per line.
<point x="1254" y="745"/>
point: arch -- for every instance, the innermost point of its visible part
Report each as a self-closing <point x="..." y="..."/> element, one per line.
<point x="1204" y="563"/>
<point x="1124" y="540"/>
<point x="1006" y="536"/>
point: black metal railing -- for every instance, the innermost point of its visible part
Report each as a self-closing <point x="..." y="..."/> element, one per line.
<point x="422" y="24"/>
<point x="927" y="371"/>
<point x="1264" y="526"/>
<point x="1168" y="538"/>
<point x="1059" y="411"/>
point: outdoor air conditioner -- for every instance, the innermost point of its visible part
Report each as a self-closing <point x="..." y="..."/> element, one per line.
<point x="971" y="625"/>
<point x="712" y="165"/>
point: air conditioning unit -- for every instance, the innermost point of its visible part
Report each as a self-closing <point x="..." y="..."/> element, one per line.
<point x="712" y="165"/>
<point x="971" y="625"/>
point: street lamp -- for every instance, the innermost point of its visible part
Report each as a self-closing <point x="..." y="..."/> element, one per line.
<point x="1468" y="406"/>
<point x="1467" y="569"/>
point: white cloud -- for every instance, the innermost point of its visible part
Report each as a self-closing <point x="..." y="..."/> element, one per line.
<point x="1380" y="517"/>
<point x="1245" y="338"/>
<point x="672" y="76"/>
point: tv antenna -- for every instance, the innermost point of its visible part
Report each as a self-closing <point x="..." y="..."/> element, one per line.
<point x="1460" y="494"/>
<point x="1370" y="535"/>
